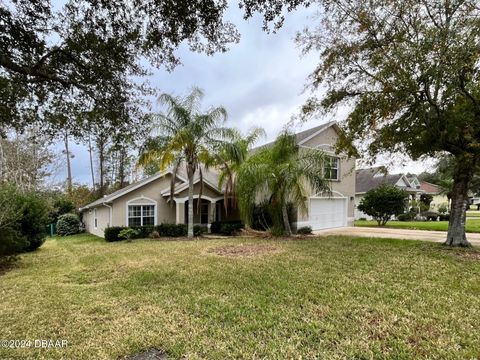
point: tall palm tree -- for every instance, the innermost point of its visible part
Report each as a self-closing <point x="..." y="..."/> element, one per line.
<point x="280" y="174"/>
<point x="185" y="137"/>
<point x="228" y="159"/>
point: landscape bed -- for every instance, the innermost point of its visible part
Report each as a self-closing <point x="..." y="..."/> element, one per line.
<point x="334" y="297"/>
<point x="472" y="226"/>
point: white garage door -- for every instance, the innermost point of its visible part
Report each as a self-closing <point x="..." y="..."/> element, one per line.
<point x="328" y="213"/>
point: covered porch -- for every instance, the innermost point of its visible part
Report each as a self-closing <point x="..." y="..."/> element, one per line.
<point x="210" y="209"/>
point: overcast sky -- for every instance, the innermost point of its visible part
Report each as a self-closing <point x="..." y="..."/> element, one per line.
<point x="260" y="81"/>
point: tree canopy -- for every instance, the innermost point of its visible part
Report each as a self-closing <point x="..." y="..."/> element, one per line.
<point x="80" y="64"/>
<point x="383" y="202"/>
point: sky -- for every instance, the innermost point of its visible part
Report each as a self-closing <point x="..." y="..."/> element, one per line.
<point x="260" y="81"/>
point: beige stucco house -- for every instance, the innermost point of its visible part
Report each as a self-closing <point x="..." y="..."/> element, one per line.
<point x="147" y="201"/>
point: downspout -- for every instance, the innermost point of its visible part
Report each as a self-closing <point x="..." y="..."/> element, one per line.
<point x="110" y="214"/>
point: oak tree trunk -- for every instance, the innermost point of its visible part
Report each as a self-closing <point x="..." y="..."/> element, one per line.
<point x="456" y="227"/>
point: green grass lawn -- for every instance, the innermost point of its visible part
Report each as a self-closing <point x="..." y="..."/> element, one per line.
<point x="473" y="225"/>
<point x="324" y="298"/>
<point x="473" y="213"/>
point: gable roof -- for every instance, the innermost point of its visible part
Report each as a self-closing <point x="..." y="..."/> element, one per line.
<point x="429" y="188"/>
<point x="305" y="135"/>
<point x="367" y="179"/>
<point x="129" y="188"/>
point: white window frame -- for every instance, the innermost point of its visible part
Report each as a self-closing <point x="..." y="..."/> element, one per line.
<point x="95" y="219"/>
<point x="334" y="168"/>
<point x="141" y="201"/>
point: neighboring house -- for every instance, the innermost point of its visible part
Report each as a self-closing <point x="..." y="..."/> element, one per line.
<point x="147" y="201"/>
<point x="367" y="179"/>
<point x="434" y="190"/>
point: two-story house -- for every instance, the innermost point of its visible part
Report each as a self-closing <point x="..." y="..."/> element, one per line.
<point x="147" y="201"/>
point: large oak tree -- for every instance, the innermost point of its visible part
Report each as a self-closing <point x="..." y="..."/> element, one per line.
<point x="85" y="58"/>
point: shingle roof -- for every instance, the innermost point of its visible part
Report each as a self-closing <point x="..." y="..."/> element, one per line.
<point x="429" y="188"/>
<point x="125" y="190"/>
<point x="208" y="176"/>
<point x="365" y="179"/>
<point x="301" y="135"/>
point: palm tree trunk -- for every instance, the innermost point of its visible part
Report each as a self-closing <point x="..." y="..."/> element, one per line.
<point x="190" y="204"/>
<point x="286" y="222"/>
<point x="456" y="227"/>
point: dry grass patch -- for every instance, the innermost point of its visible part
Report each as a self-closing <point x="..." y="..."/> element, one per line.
<point x="243" y="250"/>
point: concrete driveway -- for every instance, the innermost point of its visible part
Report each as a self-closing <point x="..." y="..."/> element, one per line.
<point x="424" y="235"/>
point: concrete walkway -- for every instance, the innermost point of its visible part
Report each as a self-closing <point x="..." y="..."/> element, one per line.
<point x="424" y="235"/>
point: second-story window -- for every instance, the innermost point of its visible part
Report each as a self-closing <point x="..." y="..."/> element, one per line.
<point x="331" y="168"/>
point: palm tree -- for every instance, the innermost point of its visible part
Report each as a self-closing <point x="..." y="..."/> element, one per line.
<point x="280" y="174"/>
<point x="230" y="157"/>
<point x="445" y="186"/>
<point x="186" y="137"/>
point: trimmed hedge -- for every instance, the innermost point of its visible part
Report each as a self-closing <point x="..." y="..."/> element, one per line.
<point x="445" y="217"/>
<point x="409" y="216"/>
<point x="430" y="215"/>
<point x="226" y="227"/>
<point x="111" y="233"/>
<point x="172" y="230"/>
<point x="163" y="230"/>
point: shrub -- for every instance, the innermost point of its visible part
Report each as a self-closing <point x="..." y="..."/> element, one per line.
<point x="33" y="220"/>
<point x="60" y="206"/>
<point x="162" y="230"/>
<point x="68" y="224"/>
<point x="363" y="219"/>
<point x="199" y="230"/>
<point x="143" y="232"/>
<point x="227" y="228"/>
<point x="430" y="215"/>
<point x="304" y="230"/>
<point x="409" y="216"/>
<point x="23" y="221"/>
<point x="443" y="208"/>
<point x="383" y="202"/>
<point x="128" y="234"/>
<point x="111" y="233"/>
<point x="11" y="242"/>
<point x="445" y="217"/>
<point x="172" y="230"/>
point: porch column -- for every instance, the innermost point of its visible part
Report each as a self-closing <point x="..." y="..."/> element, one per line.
<point x="211" y="215"/>
<point x="180" y="212"/>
